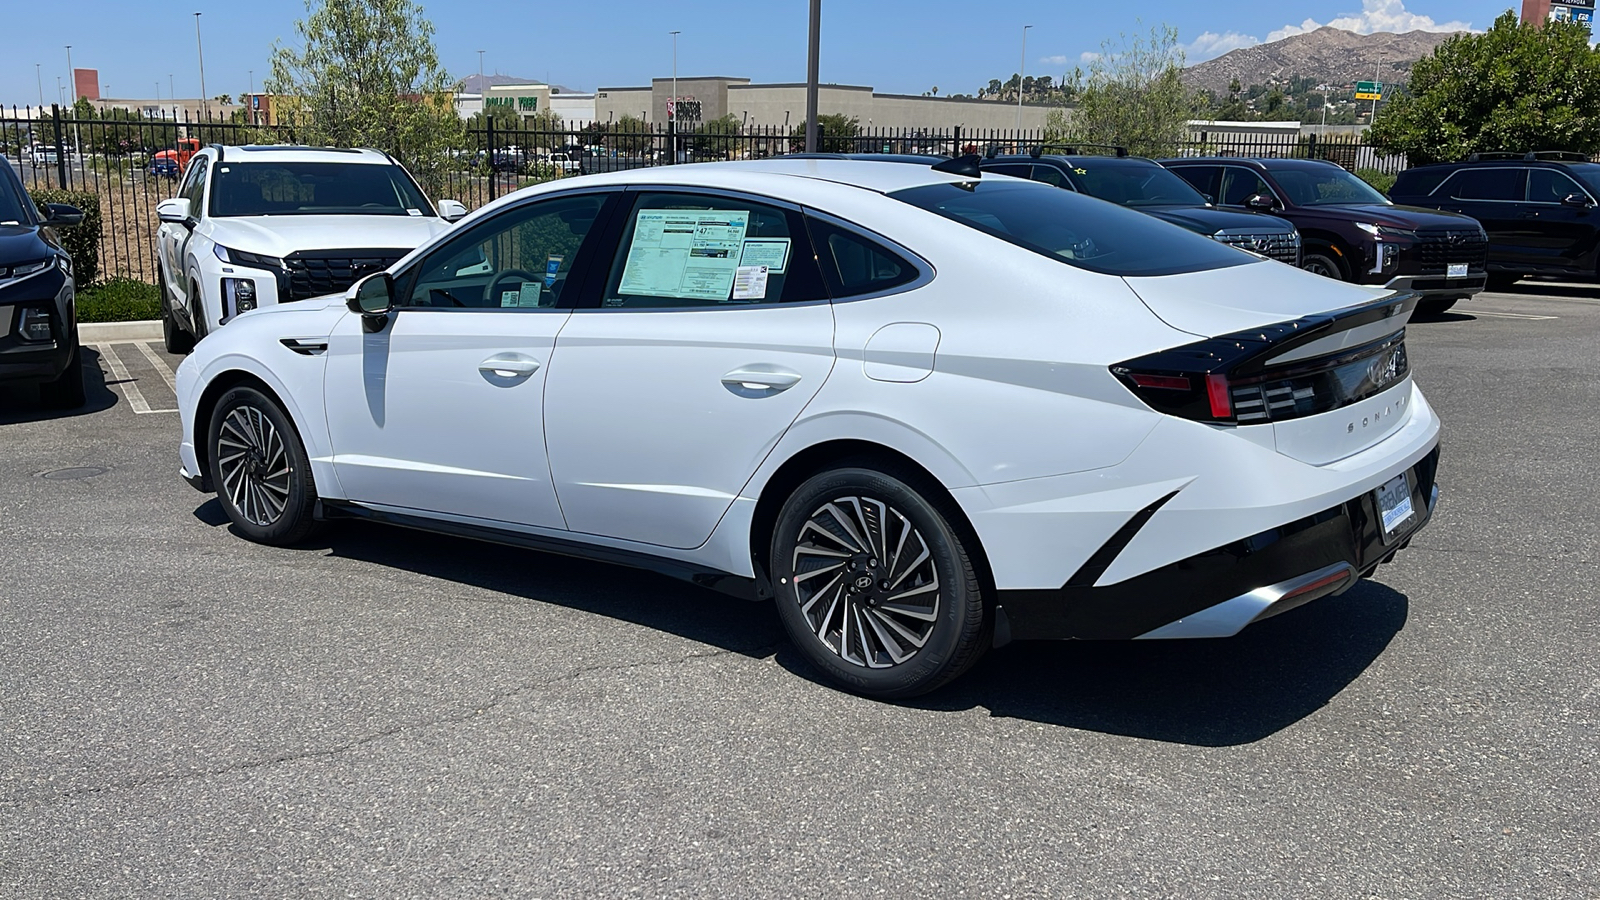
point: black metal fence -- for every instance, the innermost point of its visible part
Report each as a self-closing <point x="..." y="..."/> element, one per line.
<point x="132" y="162"/>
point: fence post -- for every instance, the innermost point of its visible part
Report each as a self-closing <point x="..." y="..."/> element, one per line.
<point x="61" y="153"/>
<point x="494" y="177"/>
<point x="957" y="150"/>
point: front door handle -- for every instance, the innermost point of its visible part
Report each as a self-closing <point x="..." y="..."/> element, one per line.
<point x="509" y="366"/>
<point x="760" y="380"/>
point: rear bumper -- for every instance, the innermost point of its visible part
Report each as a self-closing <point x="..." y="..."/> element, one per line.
<point x="1220" y="591"/>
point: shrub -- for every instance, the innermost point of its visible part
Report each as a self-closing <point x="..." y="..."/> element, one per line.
<point x="82" y="241"/>
<point x="1382" y="181"/>
<point x="119" y="299"/>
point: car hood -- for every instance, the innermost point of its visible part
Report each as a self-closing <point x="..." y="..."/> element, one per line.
<point x="1410" y="218"/>
<point x="283" y="235"/>
<point x="1208" y="220"/>
<point x="1223" y="301"/>
<point x="22" y="243"/>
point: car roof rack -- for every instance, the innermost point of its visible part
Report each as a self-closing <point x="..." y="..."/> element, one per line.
<point x="218" y="148"/>
<point x="969" y="165"/>
<point x="1531" y="156"/>
<point x="1074" y="149"/>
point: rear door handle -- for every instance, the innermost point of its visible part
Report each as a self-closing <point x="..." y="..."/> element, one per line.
<point x="760" y="379"/>
<point x="509" y="365"/>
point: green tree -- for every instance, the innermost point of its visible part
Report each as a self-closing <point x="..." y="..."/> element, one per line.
<point x="367" y="75"/>
<point x="629" y="135"/>
<point x="717" y="138"/>
<point x="1515" y="87"/>
<point x="82" y="109"/>
<point x="837" y="134"/>
<point x="1135" y="96"/>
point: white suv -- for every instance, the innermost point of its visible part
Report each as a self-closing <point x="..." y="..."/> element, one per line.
<point x="256" y="226"/>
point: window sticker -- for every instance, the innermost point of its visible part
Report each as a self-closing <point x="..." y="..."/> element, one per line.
<point x="528" y="297"/>
<point x="510" y="299"/>
<point x="686" y="254"/>
<point x="770" y="252"/>
<point x="750" y="283"/>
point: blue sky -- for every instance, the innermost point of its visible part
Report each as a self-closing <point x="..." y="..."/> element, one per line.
<point x="898" y="46"/>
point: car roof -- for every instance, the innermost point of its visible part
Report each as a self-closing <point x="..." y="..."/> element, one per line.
<point x="778" y="173"/>
<point x="291" y="153"/>
<point x="1073" y="160"/>
<point x="1272" y="162"/>
<point x="1519" y="161"/>
<point x="926" y="159"/>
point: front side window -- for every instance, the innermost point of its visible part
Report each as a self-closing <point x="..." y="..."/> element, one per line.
<point x="1502" y="183"/>
<point x="517" y="259"/>
<point x="315" y="189"/>
<point x="1550" y="186"/>
<point x="684" y="250"/>
<point x="11" y="202"/>
<point x="1240" y="184"/>
<point x="194" y="187"/>
<point x="1326" y="185"/>
<point x="1074" y="229"/>
<point x="1201" y="178"/>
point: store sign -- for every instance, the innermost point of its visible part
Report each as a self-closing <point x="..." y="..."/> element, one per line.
<point x="1580" y="11"/>
<point x="683" y="108"/>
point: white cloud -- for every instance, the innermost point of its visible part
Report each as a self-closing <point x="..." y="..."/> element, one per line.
<point x="1057" y="60"/>
<point x="1210" y="45"/>
<point x="1087" y="57"/>
<point x="1375" y="15"/>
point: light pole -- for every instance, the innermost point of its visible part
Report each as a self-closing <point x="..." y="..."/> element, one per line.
<point x="672" y="101"/>
<point x="813" y="55"/>
<point x="1022" y="70"/>
<point x="37" y="77"/>
<point x="483" y="91"/>
<point x="72" y="79"/>
<point x="250" y="106"/>
<point x="205" y="103"/>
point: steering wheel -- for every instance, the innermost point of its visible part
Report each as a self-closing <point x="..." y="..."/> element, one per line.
<point x="492" y="293"/>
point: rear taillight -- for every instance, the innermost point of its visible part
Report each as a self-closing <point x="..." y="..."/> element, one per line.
<point x="1244" y="379"/>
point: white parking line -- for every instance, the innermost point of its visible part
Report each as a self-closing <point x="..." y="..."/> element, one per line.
<point x="166" y="372"/>
<point x="130" y="386"/>
<point x="1497" y="315"/>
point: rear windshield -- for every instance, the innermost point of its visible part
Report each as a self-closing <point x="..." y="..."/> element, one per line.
<point x="1074" y="229"/>
<point x="1134" y="185"/>
<point x="315" y="189"/>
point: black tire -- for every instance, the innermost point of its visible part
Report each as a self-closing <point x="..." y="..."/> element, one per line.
<point x="1500" y="282"/>
<point x="843" y="618"/>
<point x="197" y="314"/>
<point x="1320" y="263"/>
<point x="177" y="341"/>
<point x="66" y="392"/>
<point x="266" y="507"/>
<point x="1434" y="307"/>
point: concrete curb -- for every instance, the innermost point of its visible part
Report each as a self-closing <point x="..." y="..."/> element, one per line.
<point x="101" y="332"/>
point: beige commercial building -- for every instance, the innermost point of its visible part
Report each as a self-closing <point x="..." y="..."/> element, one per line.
<point x="762" y="106"/>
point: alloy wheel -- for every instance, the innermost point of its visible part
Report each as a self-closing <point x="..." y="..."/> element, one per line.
<point x="254" y="464"/>
<point x="866" y="582"/>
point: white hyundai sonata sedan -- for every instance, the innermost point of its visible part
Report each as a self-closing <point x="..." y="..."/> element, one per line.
<point x="926" y="411"/>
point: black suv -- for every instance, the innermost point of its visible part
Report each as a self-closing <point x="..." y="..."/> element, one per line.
<point x="38" y="299"/>
<point x="1352" y="232"/>
<point x="1538" y="208"/>
<point x="1142" y="184"/>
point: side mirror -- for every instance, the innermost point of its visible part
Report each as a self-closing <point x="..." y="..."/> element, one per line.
<point x="62" y="214"/>
<point x="452" y="210"/>
<point x="1260" y="202"/>
<point x="1580" y="201"/>
<point x="372" y="297"/>
<point x="175" y="210"/>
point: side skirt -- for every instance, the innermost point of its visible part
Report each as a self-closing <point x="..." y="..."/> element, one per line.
<point x="713" y="579"/>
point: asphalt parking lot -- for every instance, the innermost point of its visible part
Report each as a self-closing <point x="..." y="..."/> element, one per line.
<point x="389" y="714"/>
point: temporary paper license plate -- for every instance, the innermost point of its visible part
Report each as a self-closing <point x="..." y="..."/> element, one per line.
<point x="1394" y="503"/>
<point x="1456" y="270"/>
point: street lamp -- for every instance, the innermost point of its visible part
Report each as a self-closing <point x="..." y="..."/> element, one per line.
<point x="39" y="79"/>
<point x="672" y="101"/>
<point x="72" y="82"/>
<point x="1021" y="71"/>
<point x="813" y="61"/>
<point x="483" y="91"/>
<point x="205" y="103"/>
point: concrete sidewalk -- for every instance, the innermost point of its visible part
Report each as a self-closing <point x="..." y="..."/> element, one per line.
<point x="100" y="332"/>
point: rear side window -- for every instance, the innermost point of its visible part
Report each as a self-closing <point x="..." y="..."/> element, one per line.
<point x="1015" y="170"/>
<point x="854" y="265"/>
<point x="1504" y="183"/>
<point x="1074" y="229"/>
<point x="1052" y="176"/>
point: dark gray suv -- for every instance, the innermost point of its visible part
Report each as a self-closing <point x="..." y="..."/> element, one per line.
<point x="38" y="298"/>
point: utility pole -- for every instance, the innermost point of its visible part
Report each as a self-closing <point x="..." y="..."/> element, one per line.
<point x="813" y="54"/>
<point x="1377" y="77"/>
<point x="40" y="80"/>
<point x="483" y="90"/>
<point x="672" y="101"/>
<point x="205" y="102"/>
<point x="71" y="78"/>
<point x="1022" y="70"/>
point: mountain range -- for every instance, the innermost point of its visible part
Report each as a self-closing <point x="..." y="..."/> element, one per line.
<point x="1327" y="55"/>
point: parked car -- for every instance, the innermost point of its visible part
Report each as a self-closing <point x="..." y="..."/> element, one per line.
<point x="1538" y="209"/>
<point x="1142" y="184"/>
<point x="256" y="226"/>
<point x="925" y="410"/>
<point x="38" y="297"/>
<point x="42" y="157"/>
<point x="1350" y="231"/>
<point x="171" y="162"/>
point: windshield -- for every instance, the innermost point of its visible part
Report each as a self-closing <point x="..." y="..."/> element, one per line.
<point x="10" y="200"/>
<point x="315" y="189"/>
<point x="1074" y="229"/>
<point x="1326" y="186"/>
<point x="1131" y="185"/>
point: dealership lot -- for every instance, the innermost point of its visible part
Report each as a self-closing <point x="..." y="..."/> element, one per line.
<point x="385" y="713"/>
